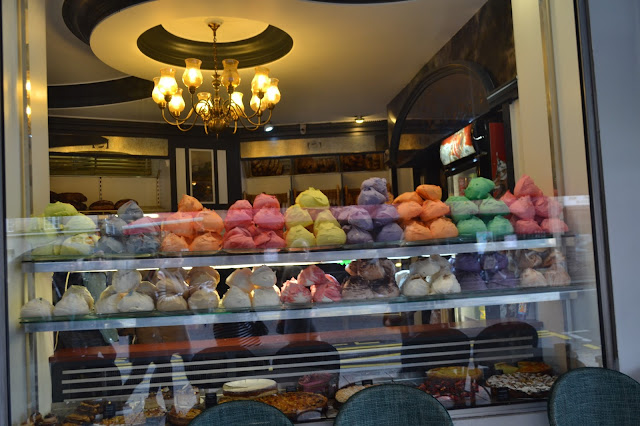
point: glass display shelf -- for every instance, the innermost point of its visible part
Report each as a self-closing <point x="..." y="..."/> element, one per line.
<point x="276" y="257"/>
<point x="310" y="311"/>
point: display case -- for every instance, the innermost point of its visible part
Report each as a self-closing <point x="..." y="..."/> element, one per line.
<point x="166" y="364"/>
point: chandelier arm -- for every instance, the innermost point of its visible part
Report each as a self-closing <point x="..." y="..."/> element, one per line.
<point x="179" y="123"/>
<point x="252" y="125"/>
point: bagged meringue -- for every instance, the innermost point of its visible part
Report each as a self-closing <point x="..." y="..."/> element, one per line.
<point x="174" y="243"/>
<point x="135" y="302"/>
<point x="294" y="293"/>
<point x="208" y="221"/>
<point x="124" y="281"/>
<point x="446" y="283"/>
<point x="108" y="304"/>
<point x="415" y="286"/>
<point x="169" y="303"/>
<point x="37" y="308"/>
<point x="311" y="275"/>
<point x="532" y="278"/>
<point x="204" y="298"/>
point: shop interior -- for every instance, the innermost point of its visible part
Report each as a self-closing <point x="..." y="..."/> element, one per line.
<point x="405" y="94"/>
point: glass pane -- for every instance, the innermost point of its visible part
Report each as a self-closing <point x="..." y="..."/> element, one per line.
<point x="201" y="175"/>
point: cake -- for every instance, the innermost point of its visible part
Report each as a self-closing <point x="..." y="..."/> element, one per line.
<point x="249" y="388"/>
<point x="522" y="385"/>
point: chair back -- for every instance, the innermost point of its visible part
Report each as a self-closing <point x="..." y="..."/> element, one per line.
<point x="392" y="405"/>
<point x="594" y="396"/>
<point x="241" y="413"/>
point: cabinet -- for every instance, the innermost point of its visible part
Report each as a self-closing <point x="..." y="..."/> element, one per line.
<point x="354" y="342"/>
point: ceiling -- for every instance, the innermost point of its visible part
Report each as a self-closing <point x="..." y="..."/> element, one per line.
<point x="346" y="59"/>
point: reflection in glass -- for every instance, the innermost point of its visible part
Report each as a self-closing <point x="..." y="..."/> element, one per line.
<point x="201" y="174"/>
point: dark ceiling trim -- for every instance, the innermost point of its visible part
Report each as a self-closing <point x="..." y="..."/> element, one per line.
<point x="103" y="93"/>
<point x="82" y="16"/>
<point x="357" y="1"/>
<point x="268" y="46"/>
<point x="81" y="126"/>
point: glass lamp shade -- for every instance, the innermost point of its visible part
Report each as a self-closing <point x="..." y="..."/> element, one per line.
<point x="273" y="93"/>
<point x="157" y="96"/>
<point x="192" y="76"/>
<point x="230" y="75"/>
<point x="255" y="103"/>
<point x="167" y="83"/>
<point x="260" y="81"/>
<point x="202" y="106"/>
<point x="176" y="105"/>
<point x="236" y="98"/>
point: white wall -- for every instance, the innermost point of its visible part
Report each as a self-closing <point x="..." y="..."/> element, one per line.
<point x="615" y="32"/>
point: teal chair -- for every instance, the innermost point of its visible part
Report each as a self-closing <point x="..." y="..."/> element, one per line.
<point x="594" y="396"/>
<point x="241" y="413"/>
<point x="392" y="405"/>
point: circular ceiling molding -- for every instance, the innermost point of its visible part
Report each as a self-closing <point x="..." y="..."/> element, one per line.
<point x="159" y="44"/>
<point x="82" y="16"/>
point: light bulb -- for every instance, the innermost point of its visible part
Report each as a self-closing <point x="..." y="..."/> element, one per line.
<point x="230" y="75"/>
<point x="261" y="80"/>
<point x="202" y="107"/>
<point x="273" y="93"/>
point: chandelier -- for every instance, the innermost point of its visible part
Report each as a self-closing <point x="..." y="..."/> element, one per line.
<point x="216" y="112"/>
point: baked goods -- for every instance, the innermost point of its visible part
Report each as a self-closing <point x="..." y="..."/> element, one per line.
<point x="135" y="302"/>
<point x="293" y="292"/>
<point x="238" y="218"/>
<point x="79" y="245"/>
<point x="461" y="208"/>
<point x="327" y="292"/>
<point x="499" y="226"/>
<point x="126" y="280"/>
<point x="528" y="227"/>
<point x="490" y="207"/>
<point x="534" y="367"/>
<point x="554" y="226"/>
<point x="433" y="210"/>
<point x="130" y="211"/>
<point x="445" y="283"/>
<point x="102" y="205"/>
<point x="263" y="276"/>
<point x="443" y="228"/>
<point x="269" y="218"/>
<point x="120" y="202"/>
<point x="265" y="201"/>
<point x="532" y="278"/>
<point x="384" y="214"/>
<point x="312" y="199"/>
<point x="408" y="196"/>
<point x="322" y="383"/>
<point x="59" y="209"/>
<point x="342" y="395"/>
<point x="300" y="237"/>
<point x="174" y="243"/>
<point x="206" y="242"/>
<point x="416" y="231"/>
<point x="249" y="388"/>
<point x="523" y="385"/>
<point x="471" y="281"/>
<point x="293" y="404"/>
<point x="171" y="302"/>
<point x="296" y="215"/>
<point x="523" y="208"/>
<point x="526" y="186"/>
<point x="236" y="298"/>
<point x="142" y="243"/>
<point x="189" y="204"/>
<point x="409" y="209"/>
<point x="390" y="232"/>
<point x="429" y="192"/>
<point x="471" y="227"/>
<point x="415" y="286"/>
<point x="204" y="298"/>
<point x="265" y="296"/>
<point x="182" y="418"/>
<point x="238" y="238"/>
<point x="79" y="224"/>
<point x="479" y="188"/>
<point x="37" y="308"/>
<point x="329" y="234"/>
<point x="143" y="225"/>
<point x="241" y="279"/>
<point x="454" y="373"/>
<point x="179" y="223"/>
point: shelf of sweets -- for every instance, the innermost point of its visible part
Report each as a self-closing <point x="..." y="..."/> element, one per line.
<point x="274" y="257"/>
<point x="306" y="311"/>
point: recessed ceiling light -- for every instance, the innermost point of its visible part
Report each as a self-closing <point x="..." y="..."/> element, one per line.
<point x="359" y="119"/>
<point x="268" y="128"/>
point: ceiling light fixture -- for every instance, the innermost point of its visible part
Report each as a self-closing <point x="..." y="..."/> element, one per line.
<point x="359" y="119"/>
<point x="215" y="112"/>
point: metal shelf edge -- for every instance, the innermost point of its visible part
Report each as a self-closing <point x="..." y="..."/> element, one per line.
<point x="304" y="313"/>
<point x="274" y="258"/>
